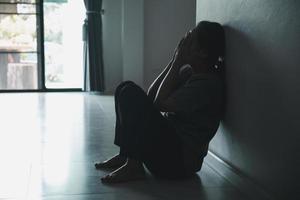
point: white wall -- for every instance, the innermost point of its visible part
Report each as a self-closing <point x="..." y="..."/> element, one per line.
<point x="139" y="37"/>
<point x="123" y="38"/>
<point x="260" y="132"/>
<point x="133" y="40"/>
<point x="166" y="21"/>
<point x="112" y="45"/>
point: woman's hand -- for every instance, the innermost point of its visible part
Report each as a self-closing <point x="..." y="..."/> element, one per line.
<point x="185" y="72"/>
<point x="189" y="52"/>
<point x="183" y="50"/>
<point x="186" y="57"/>
<point x="179" y="54"/>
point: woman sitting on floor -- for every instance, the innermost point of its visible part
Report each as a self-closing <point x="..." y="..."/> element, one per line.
<point x="168" y="129"/>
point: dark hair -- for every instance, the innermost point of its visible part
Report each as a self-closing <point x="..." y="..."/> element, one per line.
<point x="211" y="37"/>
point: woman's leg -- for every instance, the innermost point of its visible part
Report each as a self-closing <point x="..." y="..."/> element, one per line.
<point x="117" y="126"/>
<point x="117" y="160"/>
<point x="147" y="136"/>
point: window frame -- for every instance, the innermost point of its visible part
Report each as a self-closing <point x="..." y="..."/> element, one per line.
<point x="40" y="51"/>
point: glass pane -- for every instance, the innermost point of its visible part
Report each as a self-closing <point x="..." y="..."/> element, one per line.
<point x="18" y="71"/>
<point x="55" y="1"/>
<point x="18" y="33"/>
<point x="63" y="43"/>
<point x="17" y="8"/>
<point x="18" y="1"/>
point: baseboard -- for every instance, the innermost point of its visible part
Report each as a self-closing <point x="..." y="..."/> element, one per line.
<point x="244" y="184"/>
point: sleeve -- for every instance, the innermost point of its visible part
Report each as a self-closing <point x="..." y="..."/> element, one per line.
<point x="192" y="96"/>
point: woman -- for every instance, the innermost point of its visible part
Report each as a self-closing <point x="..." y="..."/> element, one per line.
<point x="169" y="128"/>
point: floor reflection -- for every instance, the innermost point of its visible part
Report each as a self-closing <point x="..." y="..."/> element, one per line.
<point x="49" y="142"/>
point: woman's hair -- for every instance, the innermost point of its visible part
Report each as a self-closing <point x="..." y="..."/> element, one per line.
<point x="211" y="37"/>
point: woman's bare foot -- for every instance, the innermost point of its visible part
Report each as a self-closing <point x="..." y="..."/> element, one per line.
<point x="112" y="163"/>
<point x="131" y="171"/>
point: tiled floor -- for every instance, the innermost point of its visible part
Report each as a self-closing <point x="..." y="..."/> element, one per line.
<point x="49" y="141"/>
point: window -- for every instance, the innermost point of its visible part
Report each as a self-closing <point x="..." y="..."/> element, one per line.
<point x="45" y="56"/>
<point x="63" y="43"/>
<point x="18" y="44"/>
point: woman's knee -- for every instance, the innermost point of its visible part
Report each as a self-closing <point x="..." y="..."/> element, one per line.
<point x="131" y="92"/>
<point x="122" y="85"/>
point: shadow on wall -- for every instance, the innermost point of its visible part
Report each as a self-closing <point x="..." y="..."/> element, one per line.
<point x="258" y="111"/>
<point x="254" y="93"/>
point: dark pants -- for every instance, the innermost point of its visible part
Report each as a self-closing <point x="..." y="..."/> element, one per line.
<point x="143" y="134"/>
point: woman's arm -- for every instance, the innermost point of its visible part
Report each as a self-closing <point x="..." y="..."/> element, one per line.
<point x="173" y="79"/>
<point x="168" y="85"/>
<point x="153" y="89"/>
<point x="156" y="83"/>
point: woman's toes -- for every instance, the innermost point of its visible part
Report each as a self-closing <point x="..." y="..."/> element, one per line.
<point x="105" y="178"/>
<point x="111" y="178"/>
<point x="124" y="174"/>
<point x="98" y="165"/>
<point x="102" y="165"/>
<point x="114" y="162"/>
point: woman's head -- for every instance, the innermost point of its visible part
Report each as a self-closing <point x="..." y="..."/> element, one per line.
<point x="210" y="41"/>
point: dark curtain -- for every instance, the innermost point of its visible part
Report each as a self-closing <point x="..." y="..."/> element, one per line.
<point x="93" y="54"/>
